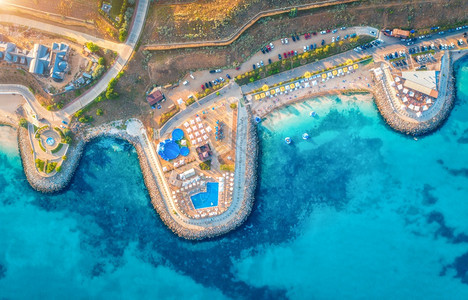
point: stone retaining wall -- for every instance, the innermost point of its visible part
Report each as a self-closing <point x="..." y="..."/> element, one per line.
<point x="395" y="121"/>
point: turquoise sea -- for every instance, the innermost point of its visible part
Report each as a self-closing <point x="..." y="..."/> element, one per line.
<point x="356" y="212"/>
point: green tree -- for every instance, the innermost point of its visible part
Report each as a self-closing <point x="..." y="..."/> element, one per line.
<point x="23" y="123"/>
<point x="102" y="61"/>
<point x="233" y="105"/>
<point x="92" y="47"/>
<point x="293" y="12"/>
<point x="99" y="112"/>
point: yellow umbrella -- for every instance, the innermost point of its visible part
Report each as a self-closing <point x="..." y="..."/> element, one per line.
<point x="334" y="72"/>
<point x="345" y="69"/>
<point x="282" y="89"/>
<point x="262" y="95"/>
<point x="307" y="74"/>
<point x="257" y="97"/>
<point x="272" y="92"/>
<point x="355" y="66"/>
<point x="349" y="62"/>
<point x="324" y="75"/>
<point x="265" y="88"/>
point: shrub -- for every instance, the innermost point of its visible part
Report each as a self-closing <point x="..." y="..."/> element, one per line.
<point x="64" y="157"/>
<point x="40" y="164"/>
<point x="102" y="61"/>
<point x="206" y="165"/>
<point x="57" y="149"/>
<point x="79" y="113"/>
<point x="23" y="123"/>
<point x="99" y="112"/>
<point x="233" y="105"/>
<point x="85" y="119"/>
<point x="226" y="167"/>
<point x="50" y="167"/>
<point x="98" y="71"/>
<point x="58" y="169"/>
<point x="92" y="47"/>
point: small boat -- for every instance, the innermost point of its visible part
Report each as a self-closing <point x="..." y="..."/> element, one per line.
<point x="257" y="120"/>
<point x="313" y="114"/>
<point x="288" y="140"/>
<point x="305" y="136"/>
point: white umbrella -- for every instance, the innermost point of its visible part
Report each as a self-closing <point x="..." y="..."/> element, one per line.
<point x="192" y="122"/>
<point x="186" y="124"/>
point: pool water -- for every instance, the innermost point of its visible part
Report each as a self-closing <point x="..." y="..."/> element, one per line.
<point x="50" y="141"/>
<point x="208" y="199"/>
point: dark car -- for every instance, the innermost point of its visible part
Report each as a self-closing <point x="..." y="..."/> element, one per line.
<point x="328" y="30"/>
<point x="263" y="51"/>
<point x="311" y="47"/>
<point x="211" y="84"/>
<point x="323" y="42"/>
<point x="207" y="85"/>
<point x="293" y="38"/>
<point x="228" y="77"/>
<point x="279" y="56"/>
<point x="297" y="37"/>
<point x="159" y="106"/>
<point x="212" y="71"/>
<point x="253" y="66"/>
<point x="315" y="46"/>
<point x="269" y="60"/>
<point x="314" y="33"/>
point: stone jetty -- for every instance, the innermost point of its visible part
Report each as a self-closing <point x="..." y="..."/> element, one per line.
<point x="416" y="127"/>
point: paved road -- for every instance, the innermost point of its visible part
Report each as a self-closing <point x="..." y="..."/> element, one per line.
<point x="125" y="52"/>
<point x="232" y="90"/>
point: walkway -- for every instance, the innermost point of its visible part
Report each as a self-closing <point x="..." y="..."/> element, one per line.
<point x="232" y="90"/>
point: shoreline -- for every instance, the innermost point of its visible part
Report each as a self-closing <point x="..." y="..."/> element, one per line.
<point x="62" y="180"/>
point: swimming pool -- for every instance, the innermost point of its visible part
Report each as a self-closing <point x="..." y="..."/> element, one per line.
<point x="208" y="199"/>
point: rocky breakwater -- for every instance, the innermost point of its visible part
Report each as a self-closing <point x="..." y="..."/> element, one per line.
<point x="241" y="213"/>
<point x="410" y="126"/>
<point x="57" y="182"/>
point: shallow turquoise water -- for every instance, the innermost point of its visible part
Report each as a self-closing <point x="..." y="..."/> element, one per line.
<point x="356" y="212"/>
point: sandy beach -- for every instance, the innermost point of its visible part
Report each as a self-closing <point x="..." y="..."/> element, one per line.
<point x="9" y="104"/>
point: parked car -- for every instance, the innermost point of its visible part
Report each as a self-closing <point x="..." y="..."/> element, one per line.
<point x="263" y="51"/>
<point x="207" y="85"/>
<point x="373" y="33"/>
<point x="282" y="41"/>
<point x="323" y="42"/>
<point x="323" y="32"/>
<point x="334" y="30"/>
<point x="212" y="71"/>
<point x="253" y="66"/>
<point x="211" y="84"/>
<point x="279" y="56"/>
<point x="237" y="68"/>
<point x="337" y="38"/>
<point x="343" y="28"/>
<point x="203" y="87"/>
<point x="228" y="77"/>
<point x="191" y="76"/>
<point x="218" y="71"/>
<point x="293" y="38"/>
<point x="333" y="39"/>
<point x="261" y="63"/>
<point x="295" y="52"/>
<point x="285" y="55"/>
<point x="286" y="41"/>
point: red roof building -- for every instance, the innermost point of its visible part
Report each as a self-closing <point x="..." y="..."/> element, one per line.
<point x="155" y="97"/>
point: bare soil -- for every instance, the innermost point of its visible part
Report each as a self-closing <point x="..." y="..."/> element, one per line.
<point x="168" y="66"/>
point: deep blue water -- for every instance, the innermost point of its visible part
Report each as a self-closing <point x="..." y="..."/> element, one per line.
<point x="357" y="211"/>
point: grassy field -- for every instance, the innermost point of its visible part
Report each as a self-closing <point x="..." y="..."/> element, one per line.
<point x="115" y="10"/>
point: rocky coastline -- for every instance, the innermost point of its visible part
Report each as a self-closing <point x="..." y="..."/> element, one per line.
<point x="62" y="180"/>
